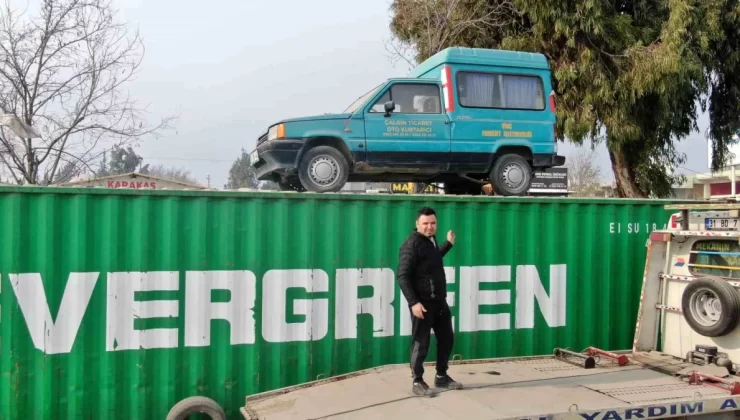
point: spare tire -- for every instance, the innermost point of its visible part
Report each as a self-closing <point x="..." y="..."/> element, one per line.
<point x="193" y="405"/>
<point x="711" y="306"/>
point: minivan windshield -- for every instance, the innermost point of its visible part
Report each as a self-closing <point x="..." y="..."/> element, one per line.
<point x="361" y="100"/>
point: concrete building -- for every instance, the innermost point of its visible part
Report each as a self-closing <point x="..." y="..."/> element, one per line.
<point x="715" y="185"/>
<point x="696" y="186"/>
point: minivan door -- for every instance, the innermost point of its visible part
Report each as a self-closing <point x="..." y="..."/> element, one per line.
<point x="415" y="135"/>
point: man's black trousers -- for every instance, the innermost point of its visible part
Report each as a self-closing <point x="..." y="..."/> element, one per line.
<point x="437" y="318"/>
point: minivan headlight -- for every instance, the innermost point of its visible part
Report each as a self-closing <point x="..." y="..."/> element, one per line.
<point x="276" y="132"/>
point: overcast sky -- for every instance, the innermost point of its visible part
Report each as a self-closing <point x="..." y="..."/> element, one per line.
<point x="230" y="68"/>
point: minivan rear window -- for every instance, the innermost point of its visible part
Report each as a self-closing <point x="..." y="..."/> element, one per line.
<point x="715" y="257"/>
<point x="500" y="91"/>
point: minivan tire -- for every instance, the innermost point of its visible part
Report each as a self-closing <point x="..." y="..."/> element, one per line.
<point x="323" y="169"/>
<point x="193" y="405"/>
<point x="698" y="314"/>
<point x="516" y="167"/>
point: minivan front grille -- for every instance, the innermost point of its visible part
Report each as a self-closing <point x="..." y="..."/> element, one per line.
<point x="262" y="139"/>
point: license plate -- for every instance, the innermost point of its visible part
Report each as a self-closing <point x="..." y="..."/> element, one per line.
<point x="721" y="223"/>
<point x="254" y="157"/>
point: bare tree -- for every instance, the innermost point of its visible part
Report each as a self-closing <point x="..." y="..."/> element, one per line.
<point x="179" y="174"/>
<point x="63" y="72"/>
<point x="583" y="174"/>
<point x="67" y="173"/>
<point x="425" y="27"/>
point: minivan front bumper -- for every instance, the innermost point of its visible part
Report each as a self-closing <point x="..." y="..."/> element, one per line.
<point x="276" y="157"/>
<point x="547" y="160"/>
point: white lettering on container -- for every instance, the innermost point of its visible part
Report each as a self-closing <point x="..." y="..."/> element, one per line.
<point x="529" y="287"/>
<point x="275" y="328"/>
<point x="288" y="315"/>
<point x="471" y="298"/>
<point x="634" y="227"/>
<point x="238" y="311"/>
<point x="123" y="309"/>
<point x="379" y="305"/>
<point x="49" y="336"/>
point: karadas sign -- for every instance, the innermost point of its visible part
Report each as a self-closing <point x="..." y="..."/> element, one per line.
<point x="137" y="185"/>
<point x="123" y="304"/>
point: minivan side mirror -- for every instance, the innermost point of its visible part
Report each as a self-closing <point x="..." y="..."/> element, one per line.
<point x="390" y="106"/>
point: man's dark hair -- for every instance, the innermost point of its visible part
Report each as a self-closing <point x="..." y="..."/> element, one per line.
<point x="425" y="211"/>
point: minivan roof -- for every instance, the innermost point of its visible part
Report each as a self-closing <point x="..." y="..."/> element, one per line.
<point x="482" y="57"/>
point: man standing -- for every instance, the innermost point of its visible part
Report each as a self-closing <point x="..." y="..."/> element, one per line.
<point x="421" y="277"/>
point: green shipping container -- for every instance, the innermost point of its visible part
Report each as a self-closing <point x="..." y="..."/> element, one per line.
<point x="118" y="304"/>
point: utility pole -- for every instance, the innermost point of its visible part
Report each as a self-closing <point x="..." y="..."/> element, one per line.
<point x="208" y="178"/>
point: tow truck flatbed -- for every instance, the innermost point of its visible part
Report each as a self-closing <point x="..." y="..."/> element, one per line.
<point x="522" y="388"/>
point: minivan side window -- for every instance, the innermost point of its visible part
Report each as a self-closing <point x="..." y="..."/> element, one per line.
<point x="411" y="98"/>
<point x="500" y="91"/>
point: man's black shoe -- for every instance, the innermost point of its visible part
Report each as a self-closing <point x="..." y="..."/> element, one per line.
<point x="421" y="389"/>
<point x="446" y="382"/>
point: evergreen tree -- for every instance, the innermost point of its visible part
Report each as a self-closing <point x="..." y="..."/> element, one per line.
<point x="241" y="174"/>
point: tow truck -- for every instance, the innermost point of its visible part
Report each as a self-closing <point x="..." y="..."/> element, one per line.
<point x="683" y="363"/>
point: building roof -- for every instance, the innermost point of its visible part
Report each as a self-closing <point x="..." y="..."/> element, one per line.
<point x="483" y="57"/>
<point x="133" y="175"/>
<point x="712" y="177"/>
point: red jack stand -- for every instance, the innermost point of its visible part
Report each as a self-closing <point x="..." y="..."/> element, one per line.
<point x="697" y="378"/>
<point x="621" y="359"/>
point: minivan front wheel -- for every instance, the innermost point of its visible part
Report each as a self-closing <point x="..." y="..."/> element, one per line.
<point x="511" y="175"/>
<point x="323" y="169"/>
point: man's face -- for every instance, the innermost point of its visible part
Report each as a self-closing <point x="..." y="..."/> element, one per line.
<point x="427" y="225"/>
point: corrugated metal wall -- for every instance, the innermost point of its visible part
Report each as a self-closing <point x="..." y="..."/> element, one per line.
<point x="118" y="304"/>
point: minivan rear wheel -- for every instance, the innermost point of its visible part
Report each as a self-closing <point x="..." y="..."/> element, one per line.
<point x="511" y="175"/>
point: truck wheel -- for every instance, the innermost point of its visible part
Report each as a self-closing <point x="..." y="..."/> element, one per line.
<point x="511" y="175"/>
<point x="323" y="169"/>
<point x="193" y="405"/>
<point x="711" y="306"/>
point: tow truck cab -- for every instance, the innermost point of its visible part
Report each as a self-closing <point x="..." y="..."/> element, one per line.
<point x="462" y="117"/>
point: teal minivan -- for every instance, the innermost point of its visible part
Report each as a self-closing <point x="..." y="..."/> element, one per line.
<point x="464" y="117"/>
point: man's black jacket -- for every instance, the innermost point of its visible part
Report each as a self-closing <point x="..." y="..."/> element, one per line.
<point x="421" y="274"/>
